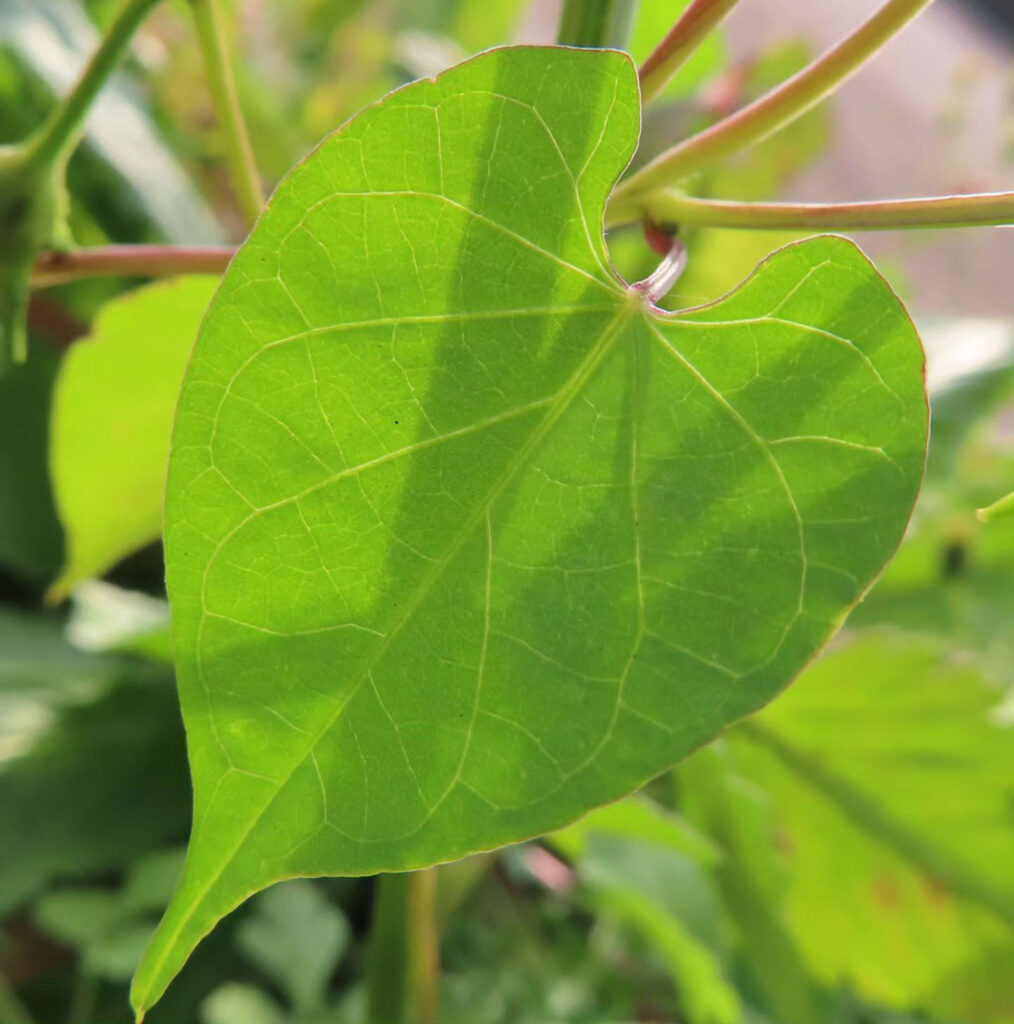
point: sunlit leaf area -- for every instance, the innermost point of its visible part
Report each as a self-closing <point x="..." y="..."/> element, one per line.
<point x="502" y="512"/>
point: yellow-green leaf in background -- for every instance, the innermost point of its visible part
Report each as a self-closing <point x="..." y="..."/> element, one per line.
<point x="112" y="417"/>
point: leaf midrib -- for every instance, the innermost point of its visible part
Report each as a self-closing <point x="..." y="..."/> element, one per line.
<point x="626" y="312"/>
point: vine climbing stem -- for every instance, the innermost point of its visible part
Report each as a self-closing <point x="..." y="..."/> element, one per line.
<point x="667" y="206"/>
<point x="61" y="132"/>
<point x="774" y="109"/>
<point x="596" y="23"/>
<point x="246" y="179"/>
<point x="679" y="44"/>
<point x="403" y="955"/>
<point x="52" y="268"/>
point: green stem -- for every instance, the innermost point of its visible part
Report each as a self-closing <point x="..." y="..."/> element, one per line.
<point x="61" y="132"/>
<point x="682" y="40"/>
<point x="239" y="153"/>
<point x="403" y="955"/>
<point x="667" y="207"/>
<point x="54" y="268"/>
<point x="777" y="108"/>
<point x="871" y="817"/>
<point x="82" y="1000"/>
<point x="596" y="23"/>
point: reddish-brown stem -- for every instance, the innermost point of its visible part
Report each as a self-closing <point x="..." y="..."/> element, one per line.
<point x="129" y="260"/>
<point x="981" y="209"/>
<point x="680" y="42"/>
<point x="773" y="110"/>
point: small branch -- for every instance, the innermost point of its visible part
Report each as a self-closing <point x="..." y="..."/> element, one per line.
<point x="53" y="268"/>
<point x="870" y="817"/>
<point x="777" y="108"/>
<point x="246" y="179"/>
<point x="61" y="132"/>
<point x="682" y="40"/>
<point x="403" y="957"/>
<point x="596" y="23"/>
<point x="666" y="207"/>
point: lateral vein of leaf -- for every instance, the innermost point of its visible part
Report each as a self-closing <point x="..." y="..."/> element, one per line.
<point x="398" y="453"/>
<point x="558" y="405"/>
<point x="435" y="318"/>
<point x="481" y="673"/>
<point x="766" y="452"/>
<point x="611" y="287"/>
<point x="783" y="322"/>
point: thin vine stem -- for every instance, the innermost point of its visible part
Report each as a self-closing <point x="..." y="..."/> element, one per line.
<point x="61" y="132"/>
<point x="773" y="110"/>
<point x="699" y="19"/>
<point x="403" y="955"/>
<point x="54" y="268"/>
<point x="662" y="207"/>
<point x="596" y="23"/>
<point x="981" y="209"/>
<point x="246" y="178"/>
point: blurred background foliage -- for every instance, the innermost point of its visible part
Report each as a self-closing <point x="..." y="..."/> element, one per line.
<point x="845" y="857"/>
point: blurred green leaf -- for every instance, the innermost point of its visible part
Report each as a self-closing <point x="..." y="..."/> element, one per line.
<point x="78" y="916"/>
<point x="113" y="411"/>
<point x="241" y="1004"/>
<point x="892" y="783"/>
<point x="752" y="881"/>
<point x="298" y="938"/>
<point x="636" y="817"/>
<point x="110" y="928"/>
<point x="40" y="673"/>
<point x="152" y="879"/>
<point x="648" y="868"/>
<point x="105" y="782"/>
<point x="667" y="898"/>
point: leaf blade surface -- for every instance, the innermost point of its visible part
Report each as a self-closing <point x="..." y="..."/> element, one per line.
<point x="450" y="508"/>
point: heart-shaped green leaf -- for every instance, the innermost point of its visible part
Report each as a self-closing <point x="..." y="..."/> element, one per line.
<point x="464" y="536"/>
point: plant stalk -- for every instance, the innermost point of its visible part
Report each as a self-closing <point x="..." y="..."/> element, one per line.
<point x="869" y="816"/>
<point x="243" y="171"/>
<point x="679" y="44"/>
<point x="61" y="132"/>
<point x="404" y="950"/>
<point x="54" y="268"/>
<point x="596" y="23"/>
<point x="777" y="108"/>
<point x="987" y="208"/>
